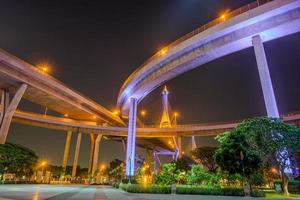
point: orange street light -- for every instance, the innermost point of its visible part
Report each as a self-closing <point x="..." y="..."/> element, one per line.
<point x="163" y="51"/>
<point x="116" y="112"/>
<point x="44" y="67"/>
<point x="274" y="170"/>
<point x="143" y="113"/>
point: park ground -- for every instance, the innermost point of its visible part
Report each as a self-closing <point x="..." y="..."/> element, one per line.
<point x="85" y="192"/>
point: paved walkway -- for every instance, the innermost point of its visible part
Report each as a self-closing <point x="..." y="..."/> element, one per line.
<point x="83" y="192"/>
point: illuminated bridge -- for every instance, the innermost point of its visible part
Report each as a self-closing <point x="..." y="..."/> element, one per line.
<point x="248" y="26"/>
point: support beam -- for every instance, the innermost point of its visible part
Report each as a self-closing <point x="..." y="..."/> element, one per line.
<point x="266" y="84"/>
<point x="92" y="146"/>
<point x="131" y="138"/>
<point x="265" y="78"/>
<point x="67" y="150"/>
<point x="9" y="109"/>
<point x="96" y="154"/>
<point x="194" y="145"/>
<point x="179" y="147"/>
<point x="75" y="161"/>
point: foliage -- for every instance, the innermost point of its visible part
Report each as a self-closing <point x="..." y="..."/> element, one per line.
<point x="254" y="140"/>
<point x="198" y="176"/>
<point x="235" y="154"/>
<point x="182" y="165"/>
<point x="118" y="173"/>
<point x="257" y="179"/>
<point x="205" y="156"/>
<point x="143" y="174"/>
<point x="116" y="170"/>
<point x="167" y="175"/>
<point x="17" y="159"/>
<point x="230" y="179"/>
<point x="209" y="190"/>
<point x="153" y="189"/>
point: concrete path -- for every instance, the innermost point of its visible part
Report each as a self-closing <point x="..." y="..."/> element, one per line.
<point x="83" y="192"/>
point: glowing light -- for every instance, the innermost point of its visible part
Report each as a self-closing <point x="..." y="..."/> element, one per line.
<point x="170" y="142"/>
<point x="176" y="114"/>
<point x="145" y="180"/>
<point x="44" y="67"/>
<point x="116" y="112"/>
<point x="66" y="115"/>
<point x="103" y="167"/>
<point x="274" y="170"/>
<point x="94" y="117"/>
<point x="163" y="51"/>
<point x="143" y="113"/>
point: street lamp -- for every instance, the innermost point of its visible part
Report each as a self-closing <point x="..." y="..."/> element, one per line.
<point x="143" y="113"/>
<point x="175" y="118"/>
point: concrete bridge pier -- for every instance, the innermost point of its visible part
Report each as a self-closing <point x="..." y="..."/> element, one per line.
<point x="131" y="138"/>
<point x="266" y="82"/>
<point x="96" y="154"/>
<point x="194" y="145"/>
<point x="75" y="161"/>
<point x="265" y="78"/>
<point x="92" y="145"/>
<point x="8" y="109"/>
<point x="66" y="152"/>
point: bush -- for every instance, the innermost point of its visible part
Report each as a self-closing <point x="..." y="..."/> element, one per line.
<point x="209" y="190"/>
<point x="294" y="186"/>
<point x="153" y="189"/>
<point x="258" y="193"/>
<point x="198" y="176"/>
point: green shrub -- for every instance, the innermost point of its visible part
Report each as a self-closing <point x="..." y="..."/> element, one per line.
<point x="152" y="189"/>
<point x="258" y="193"/>
<point x="209" y="190"/>
<point x="198" y="176"/>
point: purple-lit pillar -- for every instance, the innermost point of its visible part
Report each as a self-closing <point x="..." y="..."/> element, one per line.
<point x="266" y="82"/>
<point x="265" y="79"/>
<point x="130" y="155"/>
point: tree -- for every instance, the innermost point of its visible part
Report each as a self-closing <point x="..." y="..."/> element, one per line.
<point x="235" y="154"/>
<point x="205" y="156"/>
<point x="116" y="170"/>
<point x="263" y="138"/>
<point x="17" y="159"/>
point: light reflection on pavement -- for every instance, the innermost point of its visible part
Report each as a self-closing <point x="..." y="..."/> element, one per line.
<point x="85" y="192"/>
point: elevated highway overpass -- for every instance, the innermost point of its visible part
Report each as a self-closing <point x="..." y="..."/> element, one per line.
<point x="248" y="26"/>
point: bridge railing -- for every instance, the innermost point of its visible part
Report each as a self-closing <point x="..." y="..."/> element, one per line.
<point x="202" y="28"/>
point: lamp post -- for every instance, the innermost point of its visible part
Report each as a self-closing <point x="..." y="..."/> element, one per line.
<point x="143" y="113"/>
<point x="175" y="118"/>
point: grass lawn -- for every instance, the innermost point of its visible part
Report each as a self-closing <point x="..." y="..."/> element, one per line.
<point x="271" y="194"/>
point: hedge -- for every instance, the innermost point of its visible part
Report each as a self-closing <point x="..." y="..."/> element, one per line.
<point x="187" y="189"/>
<point x="209" y="190"/>
<point x="153" y="189"/>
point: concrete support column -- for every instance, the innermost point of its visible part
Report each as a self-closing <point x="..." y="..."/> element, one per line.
<point x="194" y="145"/>
<point x="75" y="161"/>
<point x="179" y="147"/>
<point x="67" y="150"/>
<point x="92" y="146"/>
<point x="265" y="79"/>
<point x="130" y="155"/>
<point x="8" y="110"/>
<point x="96" y="154"/>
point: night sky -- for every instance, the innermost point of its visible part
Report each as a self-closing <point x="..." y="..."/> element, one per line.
<point x="93" y="46"/>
